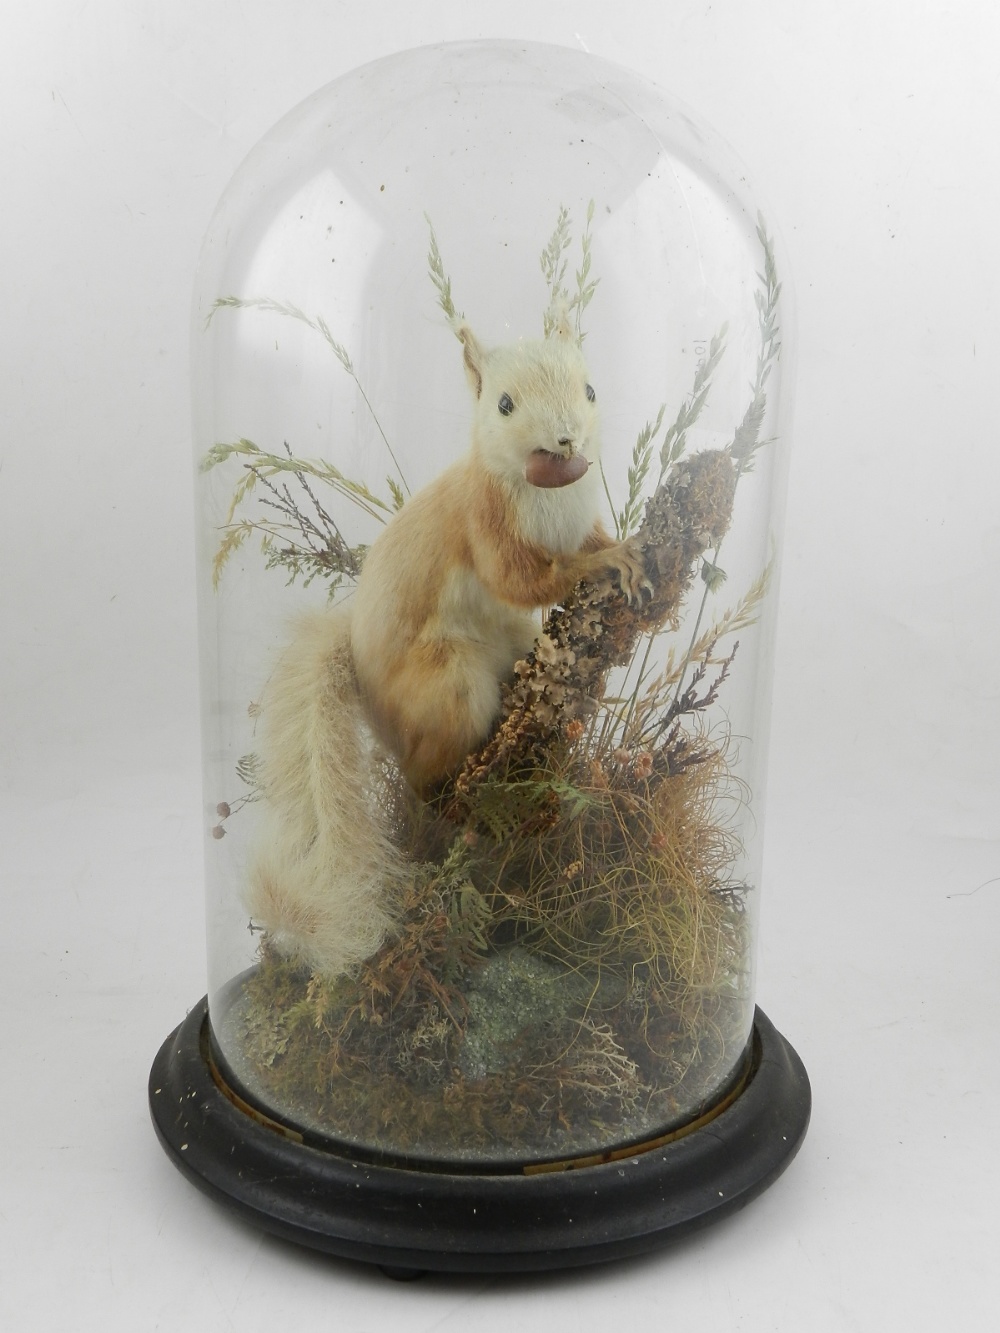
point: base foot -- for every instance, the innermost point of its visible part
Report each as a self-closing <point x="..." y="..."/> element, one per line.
<point x="411" y="1221"/>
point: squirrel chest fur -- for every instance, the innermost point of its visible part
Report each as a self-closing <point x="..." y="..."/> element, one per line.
<point x="448" y="595"/>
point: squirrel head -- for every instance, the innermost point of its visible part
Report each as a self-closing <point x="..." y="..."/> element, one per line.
<point x="536" y="418"/>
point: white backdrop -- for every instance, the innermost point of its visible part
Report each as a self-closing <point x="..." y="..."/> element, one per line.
<point x="869" y="127"/>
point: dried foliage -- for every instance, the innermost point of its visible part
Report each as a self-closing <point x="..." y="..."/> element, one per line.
<point x="554" y="265"/>
<point x="441" y="281"/>
<point x="632" y="1014"/>
<point x="297" y="534"/>
<point x="570" y="967"/>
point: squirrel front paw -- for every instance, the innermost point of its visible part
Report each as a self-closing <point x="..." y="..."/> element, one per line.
<point x="631" y="569"/>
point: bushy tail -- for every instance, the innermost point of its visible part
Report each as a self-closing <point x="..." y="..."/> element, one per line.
<point x="326" y="876"/>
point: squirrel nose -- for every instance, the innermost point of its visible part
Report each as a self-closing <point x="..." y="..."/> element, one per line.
<point x="564" y="440"/>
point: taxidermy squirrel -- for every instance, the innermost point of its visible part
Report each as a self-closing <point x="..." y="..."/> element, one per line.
<point x="446" y="603"/>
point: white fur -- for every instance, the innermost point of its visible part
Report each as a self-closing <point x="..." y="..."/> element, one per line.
<point x="469" y="611"/>
<point x="561" y="519"/>
<point x="325" y="876"/>
<point x="546" y="382"/>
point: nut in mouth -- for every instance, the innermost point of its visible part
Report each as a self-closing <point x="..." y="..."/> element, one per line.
<point x="550" y="470"/>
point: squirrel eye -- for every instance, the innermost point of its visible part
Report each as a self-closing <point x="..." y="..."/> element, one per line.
<point x="506" y="404"/>
<point x="592" y="397"/>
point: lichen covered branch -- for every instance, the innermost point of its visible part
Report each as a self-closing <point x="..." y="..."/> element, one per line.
<point x="560" y="683"/>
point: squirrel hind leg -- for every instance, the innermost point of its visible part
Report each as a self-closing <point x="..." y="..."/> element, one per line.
<point x="444" y="704"/>
<point x="432" y="757"/>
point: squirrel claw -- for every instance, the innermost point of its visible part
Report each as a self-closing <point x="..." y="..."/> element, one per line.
<point x="635" y="594"/>
<point x="632" y="576"/>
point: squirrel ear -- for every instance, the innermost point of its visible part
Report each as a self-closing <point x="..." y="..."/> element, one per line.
<point x="474" y="358"/>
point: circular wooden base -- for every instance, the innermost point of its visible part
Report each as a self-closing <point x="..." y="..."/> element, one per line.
<point x="413" y="1220"/>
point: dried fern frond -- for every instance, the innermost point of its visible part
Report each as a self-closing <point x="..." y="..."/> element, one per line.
<point x="247" y="771"/>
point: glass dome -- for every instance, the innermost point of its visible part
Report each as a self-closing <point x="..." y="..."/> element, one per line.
<point x="488" y="357"/>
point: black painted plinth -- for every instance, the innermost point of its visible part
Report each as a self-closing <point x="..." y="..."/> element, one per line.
<point x="417" y="1220"/>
